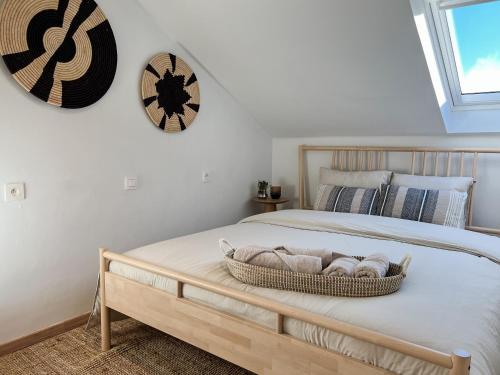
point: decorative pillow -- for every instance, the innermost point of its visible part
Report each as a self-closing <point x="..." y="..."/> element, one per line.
<point x="432" y="182"/>
<point x="360" y="179"/>
<point x="443" y="207"/>
<point x="347" y="199"/>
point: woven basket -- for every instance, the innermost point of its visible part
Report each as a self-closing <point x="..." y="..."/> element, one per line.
<point x="63" y="52"/>
<point x="319" y="284"/>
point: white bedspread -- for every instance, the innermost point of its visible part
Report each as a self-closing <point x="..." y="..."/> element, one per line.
<point x="449" y="300"/>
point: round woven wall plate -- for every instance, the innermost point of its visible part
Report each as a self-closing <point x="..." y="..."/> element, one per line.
<point x="170" y="93"/>
<point x="61" y="51"/>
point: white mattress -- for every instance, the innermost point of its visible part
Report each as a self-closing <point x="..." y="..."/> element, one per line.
<point x="449" y="300"/>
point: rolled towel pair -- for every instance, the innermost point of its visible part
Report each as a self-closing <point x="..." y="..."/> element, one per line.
<point x="278" y="259"/>
<point x="342" y="266"/>
<point x="372" y="267"/>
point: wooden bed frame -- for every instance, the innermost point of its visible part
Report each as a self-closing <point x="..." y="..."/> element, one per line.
<point x="359" y="158"/>
<point x="250" y="345"/>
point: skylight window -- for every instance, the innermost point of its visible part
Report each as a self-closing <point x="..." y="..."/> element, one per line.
<point x="461" y="44"/>
<point x="468" y="33"/>
<point x="475" y="38"/>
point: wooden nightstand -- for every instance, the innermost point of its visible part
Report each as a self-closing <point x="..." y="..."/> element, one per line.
<point x="270" y="204"/>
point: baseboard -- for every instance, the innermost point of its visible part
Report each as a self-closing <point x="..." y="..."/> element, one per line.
<point x="43" y="334"/>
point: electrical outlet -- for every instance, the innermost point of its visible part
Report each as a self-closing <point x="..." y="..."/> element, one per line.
<point x="14" y="192"/>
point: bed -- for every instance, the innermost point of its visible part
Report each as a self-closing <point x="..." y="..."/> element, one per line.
<point x="445" y="313"/>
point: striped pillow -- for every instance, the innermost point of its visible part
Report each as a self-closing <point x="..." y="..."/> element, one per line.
<point x="443" y="207"/>
<point x="347" y="199"/>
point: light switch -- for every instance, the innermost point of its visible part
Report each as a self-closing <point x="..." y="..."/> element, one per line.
<point x="131" y="183"/>
<point x="205" y="177"/>
<point x="14" y="192"/>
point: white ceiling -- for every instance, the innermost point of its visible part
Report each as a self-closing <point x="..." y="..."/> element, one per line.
<point x="312" y="67"/>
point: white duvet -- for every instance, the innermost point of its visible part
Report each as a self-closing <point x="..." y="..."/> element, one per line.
<point x="449" y="300"/>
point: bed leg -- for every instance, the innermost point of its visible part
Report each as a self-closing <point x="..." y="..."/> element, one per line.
<point x="105" y="323"/>
<point x="461" y="362"/>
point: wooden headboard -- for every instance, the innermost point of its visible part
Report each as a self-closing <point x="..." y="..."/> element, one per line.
<point x="420" y="161"/>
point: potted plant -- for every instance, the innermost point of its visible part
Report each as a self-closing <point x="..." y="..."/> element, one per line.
<point x="263" y="185"/>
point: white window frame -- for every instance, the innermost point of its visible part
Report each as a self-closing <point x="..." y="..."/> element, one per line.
<point x="436" y="11"/>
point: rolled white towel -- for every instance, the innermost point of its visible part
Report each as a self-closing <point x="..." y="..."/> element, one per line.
<point x="341" y="267"/>
<point x="372" y="267"/>
<point x="267" y="257"/>
<point x="325" y="255"/>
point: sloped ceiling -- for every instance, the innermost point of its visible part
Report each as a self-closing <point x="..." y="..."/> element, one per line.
<point x="312" y="67"/>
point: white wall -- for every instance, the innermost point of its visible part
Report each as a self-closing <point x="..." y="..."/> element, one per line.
<point x="285" y="165"/>
<point x="74" y="162"/>
<point x="313" y="68"/>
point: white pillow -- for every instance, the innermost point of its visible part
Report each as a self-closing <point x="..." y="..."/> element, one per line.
<point x="432" y="182"/>
<point x="360" y="179"/>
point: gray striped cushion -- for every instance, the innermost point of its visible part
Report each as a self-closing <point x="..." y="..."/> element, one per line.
<point x="443" y="207"/>
<point x="347" y="199"/>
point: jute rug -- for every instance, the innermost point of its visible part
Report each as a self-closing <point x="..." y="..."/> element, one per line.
<point x="137" y="350"/>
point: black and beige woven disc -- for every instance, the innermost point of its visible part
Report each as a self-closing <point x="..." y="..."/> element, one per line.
<point x="170" y="92"/>
<point x="61" y="51"/>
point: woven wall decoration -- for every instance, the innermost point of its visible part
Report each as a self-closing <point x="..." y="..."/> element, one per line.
<point x="61" y="51"/>
<point x="170" y="92"/>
